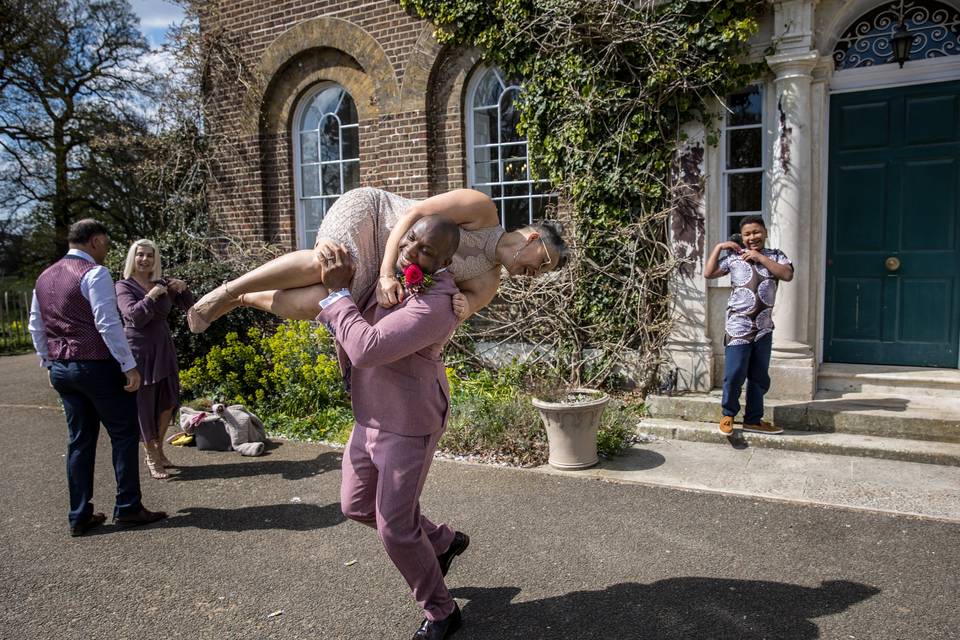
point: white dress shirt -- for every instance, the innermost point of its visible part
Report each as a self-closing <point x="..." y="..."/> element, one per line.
<point x="97" y="287"/>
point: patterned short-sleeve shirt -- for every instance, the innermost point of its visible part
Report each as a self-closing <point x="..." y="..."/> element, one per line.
<point x="750" y="307"/>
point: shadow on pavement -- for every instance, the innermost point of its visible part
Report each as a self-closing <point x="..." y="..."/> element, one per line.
<point x="635" y="459"/>
<point x="672" y="609"/>
<point x="289" y="469"/>
<point x="289" y="517"/>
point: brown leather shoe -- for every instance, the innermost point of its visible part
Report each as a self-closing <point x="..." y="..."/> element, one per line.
<point x="92" y="522"/>
<point x="763" y="427"/>
<point x="726" y="425"/>
<point x="140" y="518"/>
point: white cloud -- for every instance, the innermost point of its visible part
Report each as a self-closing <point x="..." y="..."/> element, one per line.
<point x="156" y="14"/>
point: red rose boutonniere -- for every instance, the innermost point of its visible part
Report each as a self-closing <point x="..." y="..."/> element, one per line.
<point x="414" y="280"/>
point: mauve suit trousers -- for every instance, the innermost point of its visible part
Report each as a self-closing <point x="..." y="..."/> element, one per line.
<point x="383" y="475"/>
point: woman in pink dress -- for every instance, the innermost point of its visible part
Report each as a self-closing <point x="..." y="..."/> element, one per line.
<point x="145" y="300"/>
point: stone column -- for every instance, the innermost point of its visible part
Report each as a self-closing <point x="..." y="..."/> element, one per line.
<point x="793" y="370"/>
<point x="791" y="184"/>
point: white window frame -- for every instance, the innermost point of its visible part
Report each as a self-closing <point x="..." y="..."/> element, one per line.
<point x="296" y="132"/>
<point x="763" y="169"/>
<point x="475" y="79"/>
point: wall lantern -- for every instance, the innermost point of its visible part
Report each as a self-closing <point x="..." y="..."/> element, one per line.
<point x="900" y="42"/>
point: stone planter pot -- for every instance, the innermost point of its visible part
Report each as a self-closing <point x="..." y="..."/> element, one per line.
<point x="572" y="428"/>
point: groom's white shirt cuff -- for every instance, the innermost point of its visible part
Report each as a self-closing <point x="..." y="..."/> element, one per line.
<point x="333" y="297"/>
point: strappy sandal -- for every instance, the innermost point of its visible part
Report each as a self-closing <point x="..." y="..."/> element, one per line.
<point x="157" y="471"/>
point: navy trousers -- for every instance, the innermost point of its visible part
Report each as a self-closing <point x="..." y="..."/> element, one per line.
<point x="92" y="392"/>
<point x="750" y="362"/>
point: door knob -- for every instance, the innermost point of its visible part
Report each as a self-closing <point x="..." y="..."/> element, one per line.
<point x="892" y="263"/>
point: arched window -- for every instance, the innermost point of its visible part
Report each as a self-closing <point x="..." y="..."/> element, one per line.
<point x="935" y="28"/>
<point x="327" y="156"/>
<point x="497" y="154"/>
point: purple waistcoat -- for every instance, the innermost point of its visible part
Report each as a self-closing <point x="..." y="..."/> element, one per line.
<point x="71" y="331"/>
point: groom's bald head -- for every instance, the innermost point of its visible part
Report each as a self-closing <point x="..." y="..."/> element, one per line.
<point x="430" y="243"/>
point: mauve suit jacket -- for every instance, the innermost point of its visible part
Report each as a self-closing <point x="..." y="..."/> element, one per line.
<point x="397" y="381"/>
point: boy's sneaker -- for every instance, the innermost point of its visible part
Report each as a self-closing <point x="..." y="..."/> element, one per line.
<point x="726" y="425"/>
<point x="763" y="427"/>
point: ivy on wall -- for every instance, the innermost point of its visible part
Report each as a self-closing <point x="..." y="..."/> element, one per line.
<point x="607" y="88"/>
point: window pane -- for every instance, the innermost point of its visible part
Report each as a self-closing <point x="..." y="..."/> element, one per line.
<point x="515" y="170"/>
<point x="329" y="139"/>
<point x="313" y="211"/>
<point x="486" y="172"/>
<point x="310" y="180"/>
<point x="308" y="147"/>
<point x="511" y="190"/>
<point x="745" y="191"/>
<point x="744" y="148"/>
<point x="351" y="175"/>
<point x="744" y="108"/>
<point x="351" y="142"/>
<point x="508" y="117"/>
<point x="514" y="151"/>
<point x="328" y="99"/>
<point x="485" y="154"/>
<point x="485" y="126"/>
<point x="311" y="118"/>
<point x="348" y="110"/>
<point x="331" y="179"/>
<point x="516" y="213"/>
<point x="488" y="91"/>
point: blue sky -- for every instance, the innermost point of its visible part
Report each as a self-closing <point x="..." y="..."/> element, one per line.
<point x="155" y="17"/>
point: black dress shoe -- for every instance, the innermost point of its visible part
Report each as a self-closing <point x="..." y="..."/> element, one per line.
<point x="460" y="543"/>
<point x="140" y="518"/>
<point x="93" y="521"/>
<point x="439" y="629"/>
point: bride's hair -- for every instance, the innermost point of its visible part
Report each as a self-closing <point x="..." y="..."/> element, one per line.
<point x="552" y="232"/>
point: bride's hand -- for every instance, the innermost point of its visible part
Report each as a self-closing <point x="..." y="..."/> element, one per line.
<point x="389" y="291"/>
<point x="461" y="308"/>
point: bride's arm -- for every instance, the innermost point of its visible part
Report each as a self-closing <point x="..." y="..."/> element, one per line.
<point x="468" y="208"/>
<point x="478" y="292"/>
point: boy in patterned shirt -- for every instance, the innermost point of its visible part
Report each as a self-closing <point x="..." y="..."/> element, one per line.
<point x="754" y="273"/>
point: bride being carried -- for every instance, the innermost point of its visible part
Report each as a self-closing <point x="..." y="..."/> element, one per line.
<point x="370" y="223"/>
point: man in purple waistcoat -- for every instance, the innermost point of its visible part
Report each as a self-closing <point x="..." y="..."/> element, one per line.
<point x="401" y="402"/>
<point x="79" y="337"/>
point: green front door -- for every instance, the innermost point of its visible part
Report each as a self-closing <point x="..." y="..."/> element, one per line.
<point x="893" y="230"/>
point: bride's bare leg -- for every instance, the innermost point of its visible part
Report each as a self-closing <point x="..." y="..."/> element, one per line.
<point x="289" y="271"/>
<point x="302" y="303"/>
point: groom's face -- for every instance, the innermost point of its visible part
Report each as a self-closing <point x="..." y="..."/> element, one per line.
<point x="425" y="246"/>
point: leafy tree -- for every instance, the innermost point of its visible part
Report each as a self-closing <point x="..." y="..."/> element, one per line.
<point x="73" y="89"/>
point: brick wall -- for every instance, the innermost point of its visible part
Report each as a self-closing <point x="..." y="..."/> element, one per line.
<point x="407" y="89"/>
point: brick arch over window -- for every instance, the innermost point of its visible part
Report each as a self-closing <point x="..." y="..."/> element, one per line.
<point x="445" y="88"/>
<point x="344" y="36"/>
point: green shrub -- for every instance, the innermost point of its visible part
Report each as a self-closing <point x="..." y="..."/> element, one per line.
<point x="290" y="378"/>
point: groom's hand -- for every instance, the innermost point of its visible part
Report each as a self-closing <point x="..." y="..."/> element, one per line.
<point x="338" y="271"/>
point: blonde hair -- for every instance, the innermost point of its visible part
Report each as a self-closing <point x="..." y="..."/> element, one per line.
<point x="130" y="264"/>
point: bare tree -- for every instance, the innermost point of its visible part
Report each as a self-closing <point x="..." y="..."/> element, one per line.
<point x="71" y="77"/>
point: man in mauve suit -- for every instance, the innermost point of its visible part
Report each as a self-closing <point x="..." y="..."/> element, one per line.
<point x="401" y="402"/>
<point x="78" y="334"/>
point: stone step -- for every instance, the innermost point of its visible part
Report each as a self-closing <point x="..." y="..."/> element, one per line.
<point x="889" y="380"/>
<point x="941" y="453"/>
<point x="933" y="419"/>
